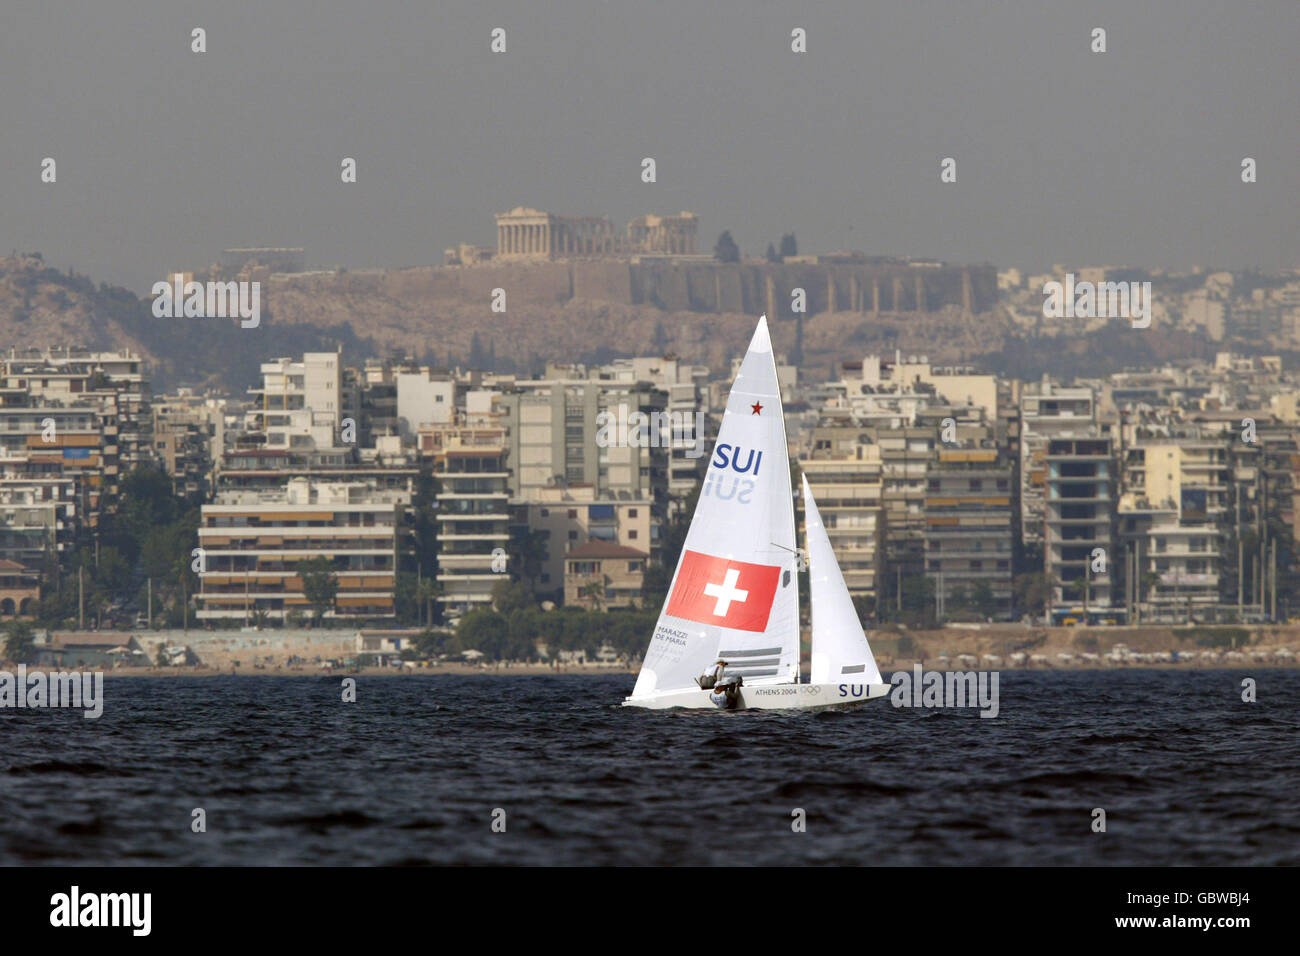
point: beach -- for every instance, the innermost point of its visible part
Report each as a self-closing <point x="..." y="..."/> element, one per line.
<point x="961" y="647"/>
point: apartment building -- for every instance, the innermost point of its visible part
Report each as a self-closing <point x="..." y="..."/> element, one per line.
<point x="1047" y="410"/>
<point x="601" y="574"/>
<point x="253" y="540"/>
<point x="970" y="525"/>
<point x="189" y="439"/>
<point x="473" y="514"/>
<point x="299" y="404"/>
<point x="688" y="428"/>
<point x="567" y="518"/>
<point x="1081" y="496"/>
<point x="555" y="433"/>
<point x="38" y="518"/>
<point x="845" y="475"/>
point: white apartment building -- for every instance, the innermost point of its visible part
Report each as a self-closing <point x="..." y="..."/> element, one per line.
<point x="299" y="405"/>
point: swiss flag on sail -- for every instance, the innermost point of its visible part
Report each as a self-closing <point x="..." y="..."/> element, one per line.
<point x="723" y="592"/>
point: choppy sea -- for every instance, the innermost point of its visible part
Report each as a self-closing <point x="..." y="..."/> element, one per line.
<point x="419" y="767"/>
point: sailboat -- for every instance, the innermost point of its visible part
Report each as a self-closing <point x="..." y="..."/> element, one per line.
<point x="735" y="591"/>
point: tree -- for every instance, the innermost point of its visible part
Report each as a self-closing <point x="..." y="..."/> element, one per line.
<point x="788" y="246"/>
<point x="983" y="599"/>
<point x="427" y="591"/>
<point x="319" y="584"/>
<point x="594" y="591"/>
<point x="1032" y="591"/>
<point x="478" y="358"/>
<point x="527" y="554"/>
<point x="20" y="643"/>
<point x="660" y="341"/>
<point x="484" y="631"/>
<point x="726" y="249"/>
<point x="509" y="596"/>
<point x="772" y="255"/>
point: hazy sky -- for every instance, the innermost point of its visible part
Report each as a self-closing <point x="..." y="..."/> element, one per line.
<point x="1129" y="157"/>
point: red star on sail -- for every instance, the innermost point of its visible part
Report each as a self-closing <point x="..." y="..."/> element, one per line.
<point x="756" y="407"/>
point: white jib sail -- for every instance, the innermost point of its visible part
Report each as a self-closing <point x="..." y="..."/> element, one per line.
<point x="735" y="593"/>
<point x="840" y="652"/>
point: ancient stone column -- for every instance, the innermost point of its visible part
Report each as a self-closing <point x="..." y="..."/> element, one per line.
<point x="920" y="293"/>
<point x="771" y="297"/>
<point x="898" y="294"/>
<point x="830" y="292"/>
<point x="875" y="296"/>
<point x="965" y="290"/>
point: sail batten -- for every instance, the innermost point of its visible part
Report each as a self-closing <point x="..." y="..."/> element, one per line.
<point x="734" y="592"/>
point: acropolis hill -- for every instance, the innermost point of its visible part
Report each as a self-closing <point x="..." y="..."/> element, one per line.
<point x="578" y="286"/>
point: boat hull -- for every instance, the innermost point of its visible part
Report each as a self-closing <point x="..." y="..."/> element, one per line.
<point x="770" y="697"/>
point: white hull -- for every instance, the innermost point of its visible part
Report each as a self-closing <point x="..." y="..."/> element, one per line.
<point x="770" y="697"/>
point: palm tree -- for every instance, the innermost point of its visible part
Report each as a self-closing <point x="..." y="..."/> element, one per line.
<point x="428" y="590"/>
<point x="594" y="591"/>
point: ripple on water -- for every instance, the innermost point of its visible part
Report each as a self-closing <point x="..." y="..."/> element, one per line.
<point x="412" y="772"/>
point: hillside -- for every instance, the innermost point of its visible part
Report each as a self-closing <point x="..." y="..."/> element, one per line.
<point x="416" y="312"/>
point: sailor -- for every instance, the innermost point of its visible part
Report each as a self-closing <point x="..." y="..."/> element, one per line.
<point x="718" y="697"/>
<point x="712" y="674"/>
<point x="725" y="694"/>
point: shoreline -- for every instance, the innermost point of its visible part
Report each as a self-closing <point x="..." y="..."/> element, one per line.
<point x="886" y="668"/>
<point x="991" y="647"/>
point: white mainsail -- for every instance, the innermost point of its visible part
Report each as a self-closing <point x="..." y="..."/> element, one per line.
<point x="840" y="652"/>
<point x="735" y="591"/>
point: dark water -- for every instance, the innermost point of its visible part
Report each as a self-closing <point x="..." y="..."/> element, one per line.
<point x="410" y="774"/>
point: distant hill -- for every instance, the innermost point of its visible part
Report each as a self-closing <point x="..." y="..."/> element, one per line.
<point x="41" y="306"/>
<point x="431" y="315"/>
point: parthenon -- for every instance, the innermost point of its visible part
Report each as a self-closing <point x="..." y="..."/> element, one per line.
<point x="532" y="233"/>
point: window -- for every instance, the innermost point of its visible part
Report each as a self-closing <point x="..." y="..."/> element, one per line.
<point x="977" y="565"/>
<point x="631" y="535"/>
<point x="546" y="512"/>
<point x="631" y="512"/>
<point x="573" y="536"/>
<point x="573" y="512"/>
<point x="976" y="484"/>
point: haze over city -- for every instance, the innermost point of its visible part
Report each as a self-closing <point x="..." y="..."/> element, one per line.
<point x="1128" y="157"/>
